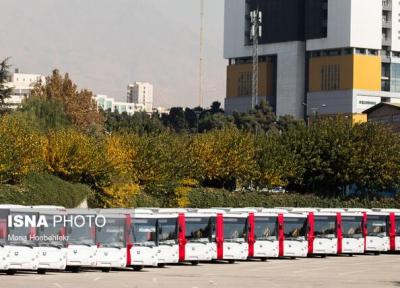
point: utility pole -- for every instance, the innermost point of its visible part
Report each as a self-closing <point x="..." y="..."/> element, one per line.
<point x="201" y="62"/>
<point x="255" y="34"/>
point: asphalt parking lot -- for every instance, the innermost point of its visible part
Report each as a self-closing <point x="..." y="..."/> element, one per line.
<point x="357" y="271"/>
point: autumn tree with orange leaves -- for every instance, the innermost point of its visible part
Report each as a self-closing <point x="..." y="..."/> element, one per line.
<point x="79" y="105"/>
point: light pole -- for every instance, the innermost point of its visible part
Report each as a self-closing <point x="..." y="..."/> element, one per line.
<point x="314" y="111"/>
<point x="198" y="113"/>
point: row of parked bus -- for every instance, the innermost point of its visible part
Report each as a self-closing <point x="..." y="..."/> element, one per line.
<point x="135" y="238"/>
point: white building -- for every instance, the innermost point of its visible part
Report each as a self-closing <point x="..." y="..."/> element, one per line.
<point x="107" y="103"/>
<point x="141" y="93"/>
<point x="22" y="85"/>
<point x="325" y="56"/>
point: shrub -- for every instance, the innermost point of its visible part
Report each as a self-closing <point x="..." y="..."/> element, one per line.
<point x="44" y="189"/>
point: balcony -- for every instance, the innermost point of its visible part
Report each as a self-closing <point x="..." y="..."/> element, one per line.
<point x="386" y="41"/>
<point x="386" y="23"/>
<point x="387" y="5"/>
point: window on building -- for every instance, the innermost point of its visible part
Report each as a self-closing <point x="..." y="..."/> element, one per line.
<point x="394" y="77"/>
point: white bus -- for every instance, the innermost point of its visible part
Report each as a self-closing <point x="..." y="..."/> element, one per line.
<point x="167" y="238"/>
<point x="263" y="233"/>
<point x="394" y="227"/>
<point x="81" y="233"/>
<point x="349" y="231"/>
<point x="18" y="245"/>
<point x="112" y="240"/>
<point x="52" y="239"/>
<point x="143" y="231"/>
<point x="375" y="229"/>
<point x="230" y="231"/>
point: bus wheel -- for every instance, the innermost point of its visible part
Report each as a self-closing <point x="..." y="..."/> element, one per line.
<point x="323" y="256"/>
<point x="137" y="268"/>
<point x="195" y="263"/>
<point x="161" y="265"/>
<point x="41" y="271"/>
<point x="263" y="259"/>
<point x="231" y="261"/>
<point x="75" y="269"/>
<point x="105" y="270"/>
<point x="11" y="272"/>
<point x="351" y="255"/>
<point x="377" y="253"/>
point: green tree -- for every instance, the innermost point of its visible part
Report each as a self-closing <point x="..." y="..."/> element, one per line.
<point x="49" y="114"/>
<point x="258" y="120"/>
<point x="375" y="158"/>
<point x="5" y="90"/>
<point x="139" y="123"/>
<point x="277" y="165"/>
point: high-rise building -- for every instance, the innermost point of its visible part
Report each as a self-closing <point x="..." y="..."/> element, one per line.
<point x="315" y="56"/>
<point x="141" y="93"/>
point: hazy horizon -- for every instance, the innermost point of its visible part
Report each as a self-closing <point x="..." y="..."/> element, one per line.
<point x="104" y="45"/>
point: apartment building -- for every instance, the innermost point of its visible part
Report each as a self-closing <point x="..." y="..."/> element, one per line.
<point x="315" y="56"/>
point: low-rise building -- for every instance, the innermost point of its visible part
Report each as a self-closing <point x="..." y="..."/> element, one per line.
<point x="385" y="113"/>
<point x="22" y="85"/>
<point x="110" y="104"/>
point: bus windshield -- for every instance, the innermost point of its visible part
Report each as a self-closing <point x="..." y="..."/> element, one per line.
<point x="398" y="226"/>
<point x="3" y="227"/>
<point x="144" y="232"/>
<point x="53" y="235"/>
<point x="295" y="228"/>
<point x="84" y="235"/>
<point x="325" y="226"/>
<point x="351" y="226"/>
<point x="235" y="229"/>
<point x="167" y="231"/>
<point x="198" y="229"/>
<point x="376" y="225"/>
<point x="112" y="235"/>
<point x="265" y="228"/>
<point x="22" y="236"/>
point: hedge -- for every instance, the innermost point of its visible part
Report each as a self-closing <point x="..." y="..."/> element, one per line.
<point x="206" y="198"/>
<point x="44" y="189"/>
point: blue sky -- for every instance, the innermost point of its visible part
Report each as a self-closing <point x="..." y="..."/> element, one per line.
<point x="105" y="44"/>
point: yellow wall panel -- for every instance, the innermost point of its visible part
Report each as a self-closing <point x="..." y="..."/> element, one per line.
<point x="317" y="65"/>
<point x="367" y="72"/>
<point x="239" y="79"/>
<point x="347" y="72"/>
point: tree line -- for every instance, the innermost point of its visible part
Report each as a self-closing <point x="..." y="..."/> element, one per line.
<point x="60" y="131"/>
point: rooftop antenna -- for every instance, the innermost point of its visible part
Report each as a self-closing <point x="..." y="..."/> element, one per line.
<point x="201" y="62"/>
<point x="255" y="34"/>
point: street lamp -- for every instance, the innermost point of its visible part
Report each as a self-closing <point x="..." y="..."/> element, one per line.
<point x="314" y="111"/>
